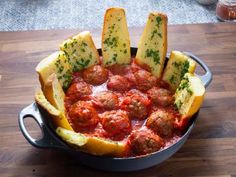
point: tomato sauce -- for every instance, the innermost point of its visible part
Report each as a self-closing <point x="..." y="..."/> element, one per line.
<point x="124" y="103"/>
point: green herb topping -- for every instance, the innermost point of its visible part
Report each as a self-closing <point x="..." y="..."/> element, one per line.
<point x="65" y="45"/>
<point x="111" y="42"/>
<point x="178" y="104"/>
<point x="114" y="57"/>
<point x="81" y="64"/>
<point x="67" y="79"/>
<point x="177" y="64"/>
<point x="84" y="44"/>
<point x="172" y="79"/>
<point x="184" y="69"/>
<point x="158" y="20"/>
<point x="153" y="54"/>
<point x="185" y="85"/>
<point x="153" y="33"/>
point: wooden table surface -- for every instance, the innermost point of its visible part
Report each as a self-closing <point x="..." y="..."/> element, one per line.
<point x="210" y="149"/>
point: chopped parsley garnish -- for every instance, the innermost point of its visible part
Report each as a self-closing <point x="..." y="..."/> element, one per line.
<point x="111" y="28"/>
<point x="80" y="64"/>
<point x="63" y="75"/>
<point x="84" y="44"/>
<point x="82" y="50"/>
<point x="73" y="52"/>
<point x="158" y="20"/>
<point x="172" y="79"/>
<point x="65" y="45"/>
<point x="67" y="55"/>
<point x="74" y="41"/>
<point x="184" y="84"/>
<point x="178" y="104"/>
<point x="114" y="57"/>
<point x="153" y="54"/>
<point x="176" y="64"/>
<point x="67" y="79"/>
<point x="184" y="69"/>
<point x="153" y="33"/>
<point x="111" y="42"/>
<point x="58" y="66"/>
<point x="108" y="62"/>
<point x="189" y="91"/>
<point x="60" y="69"/>
<point x="86" y="63"/>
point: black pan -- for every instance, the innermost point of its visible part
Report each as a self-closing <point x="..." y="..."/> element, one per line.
<point x="51" y="140"/>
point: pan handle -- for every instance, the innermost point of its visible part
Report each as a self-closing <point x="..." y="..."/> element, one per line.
<point x="207" y="77"/>
<point x="48" y="140"/>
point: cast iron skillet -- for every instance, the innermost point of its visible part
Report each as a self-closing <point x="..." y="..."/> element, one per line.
<point x="51" y="140"/>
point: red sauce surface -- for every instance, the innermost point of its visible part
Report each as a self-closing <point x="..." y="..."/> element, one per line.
<point x="124" y="103"/>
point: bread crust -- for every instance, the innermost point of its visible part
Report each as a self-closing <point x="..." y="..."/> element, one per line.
<point x="55" y="95"/>
<point x="91" y="144"/>
<point x="43" y="102"/>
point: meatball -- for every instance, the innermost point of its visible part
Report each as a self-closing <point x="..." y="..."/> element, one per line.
<point x="116" y="123"/>
<point x="136" y="105"/>
<point x="144" y="141"/>
<point x="107" y="100"/>
<point x="95" y="75"/>
<point x="77" y="77"/>
<point x="78" y="91"/>
<point x="118" y="83"/>
<point x="144" y="80"/>
<point x="161" y="122"/>
<point x="160" y="96"/>
<point x="83" y="115"/>
<point x="131" y="78"/>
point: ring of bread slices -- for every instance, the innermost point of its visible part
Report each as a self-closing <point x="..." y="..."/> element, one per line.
<point x="79" y="52"/>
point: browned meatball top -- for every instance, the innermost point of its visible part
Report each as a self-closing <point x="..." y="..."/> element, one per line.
<point x="144" y="142"/>
<point x="107" y="100"/>
<point x="161" y="122"/>
<point x="160" y="96"/>
<point x="144" y="80"/>
<point x="95" y="75"/>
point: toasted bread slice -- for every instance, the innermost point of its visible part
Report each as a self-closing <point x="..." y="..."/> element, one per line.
<point x="91" y="144"/>
<point x="55" y="95"/>
<point x="153" y="44"/>
<point x="81" y="51"/>
<point x="189" y="95"/>
<point x="55" y="63"/>
<point x="43" y="102"/>
<point x="177" y="66"/>
<point x="115" y="38"/>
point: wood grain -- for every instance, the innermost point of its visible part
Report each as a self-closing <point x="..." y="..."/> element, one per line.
<point x="210" y="149"/>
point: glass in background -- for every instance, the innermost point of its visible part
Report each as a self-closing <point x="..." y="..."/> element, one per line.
<point x="226" y="10"/>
